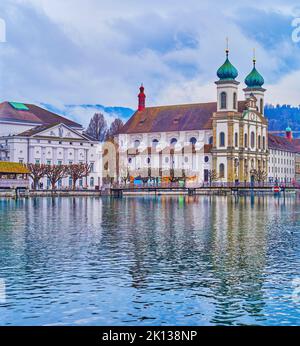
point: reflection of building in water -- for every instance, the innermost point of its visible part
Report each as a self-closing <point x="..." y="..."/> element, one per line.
<point x="238" y="255"/>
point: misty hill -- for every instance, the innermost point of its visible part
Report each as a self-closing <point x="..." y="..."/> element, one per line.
<point x="281" y="116"/>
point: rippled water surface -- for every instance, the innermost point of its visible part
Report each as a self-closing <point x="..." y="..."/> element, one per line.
<point x="150" y="261"/>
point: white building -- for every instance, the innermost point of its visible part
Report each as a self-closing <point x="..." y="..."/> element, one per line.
<point x="282" y="160"/>
<point x="31" y="134"/>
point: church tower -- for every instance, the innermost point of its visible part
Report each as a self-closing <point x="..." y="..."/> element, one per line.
<point x="227" y="86"/>
<point x="254" y="82"/>
<point x="142" y="99"/>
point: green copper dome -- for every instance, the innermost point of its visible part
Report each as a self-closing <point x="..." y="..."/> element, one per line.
<point x="288" y="129"/>
<point x="227" y="71"/>
<point x="254" y="78"/>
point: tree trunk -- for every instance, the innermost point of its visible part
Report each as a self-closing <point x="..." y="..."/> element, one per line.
<point x="74" y="184"/>
<point x="35" y="183"/>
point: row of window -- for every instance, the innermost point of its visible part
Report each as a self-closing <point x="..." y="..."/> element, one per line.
<point x="61" y="142"/>
<point x="173" y="142"/>
<point x="282" y="161"/>
<point x="261" y="144"/>
<point x="281" y="153"/>
<point x="59" y="162"/>
<point x="186" y="159"/>
<point x="283" y="170"/>
<point x="70" y="182"/>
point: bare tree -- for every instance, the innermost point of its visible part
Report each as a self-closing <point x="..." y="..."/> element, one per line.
<point x="78" y="171"/>
<point x="259" y="175"/>
<point x="97" y="127"/>
<point x="114" y="129"/>
<point x="37" y="172"/>
<point x="54" y="173"/>
<point x="212" y="176"/>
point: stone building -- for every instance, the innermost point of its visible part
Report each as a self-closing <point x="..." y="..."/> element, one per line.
<point x="31" y="134"/>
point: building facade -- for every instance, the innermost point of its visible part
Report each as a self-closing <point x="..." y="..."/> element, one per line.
<point x="226" y="139"/>
<point x="30" y="134"/>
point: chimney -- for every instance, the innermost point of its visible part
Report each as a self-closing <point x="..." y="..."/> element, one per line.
<point x="142" y="98"/>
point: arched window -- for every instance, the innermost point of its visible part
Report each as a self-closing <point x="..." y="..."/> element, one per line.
<point x="92" y="183"/>
<point x="154" y="143"/>
<point x="234" y="101"/>
<point x="223" y="100"/>
<point x="259" y="142"/>
<point x="221" y="170"/>
<point x="261" y="106"/>
<point x="252" y="139"/>
<point x="246" y="140"/>
<point x="173" y="141"/>
<point x="264" y="142"/>
<point x="206" y="159"/>
<point x="211" y="140"/>
<point x="236" y="140"/>
<point x="193" y="140"/>
<point x="136" y="143"/>
<point x="222" y="139"/>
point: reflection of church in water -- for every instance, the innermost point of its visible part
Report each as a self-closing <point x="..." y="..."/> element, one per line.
<point x="227" y="139"/>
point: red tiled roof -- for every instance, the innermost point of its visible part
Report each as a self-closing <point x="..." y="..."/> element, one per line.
<point x="296" y="143"/>
<point x="173" y="118"/>
<point x="281" y="143"/>
<point x="34" y="115"/>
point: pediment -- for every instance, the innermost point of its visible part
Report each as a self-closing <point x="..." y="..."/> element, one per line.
<point x="60" y="131"/>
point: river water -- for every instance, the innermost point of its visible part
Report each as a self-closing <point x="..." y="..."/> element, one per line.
<point x="150" y="261"/>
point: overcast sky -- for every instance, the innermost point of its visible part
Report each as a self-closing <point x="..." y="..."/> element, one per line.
<point x="98" y="52"/>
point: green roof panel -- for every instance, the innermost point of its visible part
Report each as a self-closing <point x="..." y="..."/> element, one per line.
<point x="19" y="106"/>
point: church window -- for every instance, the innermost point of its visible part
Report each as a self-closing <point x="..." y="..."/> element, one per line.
<point x="246" y="140"/>
<point x="222" y="139"/>
<point x="92" y="182"/>
<point x="261" y="106"/>
<point x="193" y="140"/>
<point x="234" y="101"/>
<point x="222" y="170"/>
<point x="223" y="100"/>
<point x="173" y="141"/>
<point x="129" y="160"/>
<point x="236" y="143"/>
<point x="252" y="140"/>
<point x="148" y="160"/>
<point x="259" y="142"/>
<point x="136" y="143"/>
<point x="206" y="158"/>
<point x="211" y="140"/>
<point x="264" y="142"/>
<point x="154" y="143"/>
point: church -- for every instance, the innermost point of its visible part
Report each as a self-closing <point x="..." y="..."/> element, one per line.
<point x="223" y="141"/>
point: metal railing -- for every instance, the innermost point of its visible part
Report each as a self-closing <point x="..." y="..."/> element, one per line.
<point x="14" y="183"/>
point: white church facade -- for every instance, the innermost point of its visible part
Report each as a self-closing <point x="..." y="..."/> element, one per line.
<point x="225" y="141"/>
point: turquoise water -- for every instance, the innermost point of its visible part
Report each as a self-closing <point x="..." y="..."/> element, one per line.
<point x="150" y="261"/>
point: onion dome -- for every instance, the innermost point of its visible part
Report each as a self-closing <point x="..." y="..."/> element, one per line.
<point x="227" y="71"/>
<point x="254" y="79"/>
